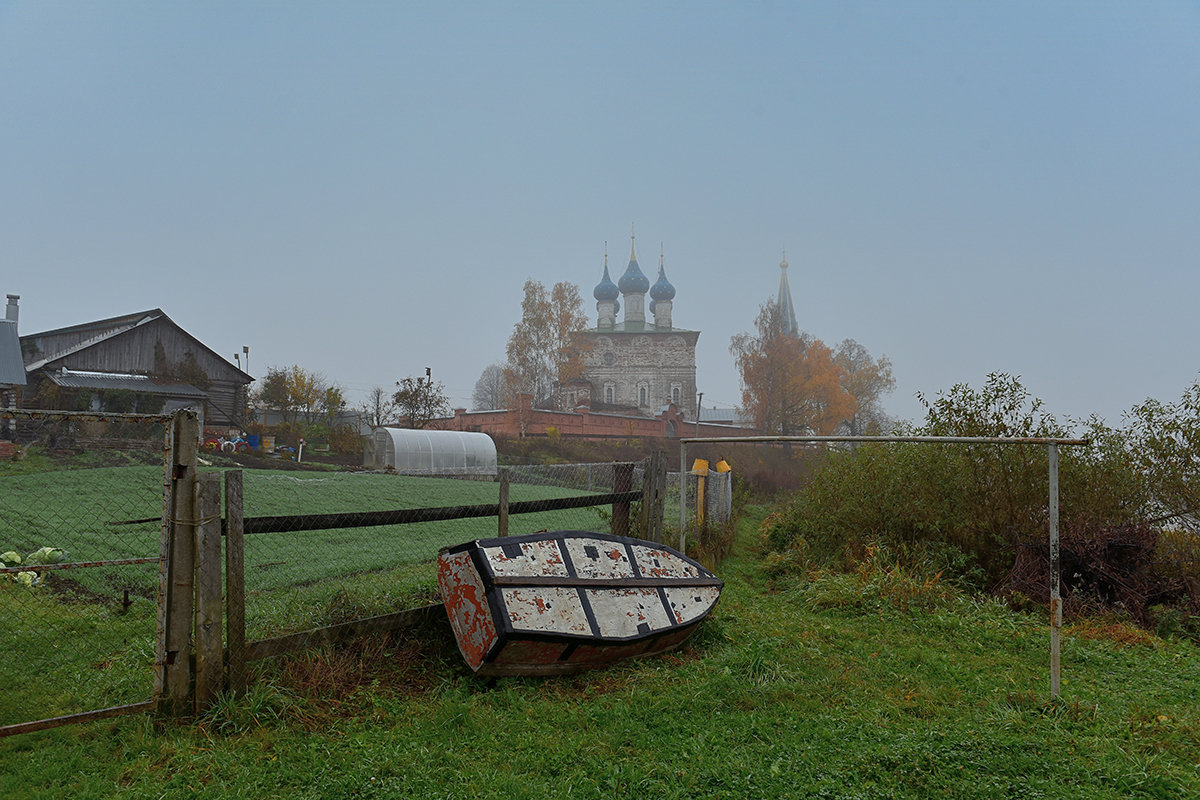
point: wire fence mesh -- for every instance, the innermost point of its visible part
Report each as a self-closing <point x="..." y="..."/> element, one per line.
<point x="301" y="580"/>
<point x="79" y="586"/>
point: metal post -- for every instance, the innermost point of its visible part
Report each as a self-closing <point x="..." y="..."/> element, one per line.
<point x="1055" y="586"/>
<point x="682" y="495"/>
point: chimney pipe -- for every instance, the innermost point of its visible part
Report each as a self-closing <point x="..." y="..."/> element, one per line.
<point x="10" y="313"/>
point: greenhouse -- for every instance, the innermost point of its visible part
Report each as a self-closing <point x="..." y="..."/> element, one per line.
<point x="430" y="452"/>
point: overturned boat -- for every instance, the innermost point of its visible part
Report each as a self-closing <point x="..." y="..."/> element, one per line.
<point x="561" y="601"/>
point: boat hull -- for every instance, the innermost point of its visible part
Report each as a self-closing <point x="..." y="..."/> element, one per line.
<point x="561" y="601"/>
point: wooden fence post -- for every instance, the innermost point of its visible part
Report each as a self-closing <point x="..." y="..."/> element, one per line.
<point x="654" y="493"/>
<point x="235" y="582"/>
<point x="210" y="669"/>
<point x="176" y="596"/>
<point x="622" y="482"/>
<point x="502" y="510"/>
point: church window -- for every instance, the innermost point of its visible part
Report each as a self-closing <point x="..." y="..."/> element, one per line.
<point x="676" y="391"/>
<point x="643" y="394"/>
<point x="608" y="393"/>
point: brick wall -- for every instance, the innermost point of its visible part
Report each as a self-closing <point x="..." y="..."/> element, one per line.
<point x="581" y="424"/>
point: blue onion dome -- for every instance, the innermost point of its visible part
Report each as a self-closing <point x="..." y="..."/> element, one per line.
<point x="651" y="301"/>
<point x="662" y="290"/>
<point x="606" y="291"/>
<point x="634" y="281"/>
<point x="616" y="306"/>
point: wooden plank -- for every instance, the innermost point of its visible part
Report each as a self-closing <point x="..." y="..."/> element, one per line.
<point x="235" y="582"/>
<point x="347" y="631"/>
<point x="502" y="508"/>
<point x="181" y="565"/>
<point x="74" y="719"/>
<point x="209" y="571"/>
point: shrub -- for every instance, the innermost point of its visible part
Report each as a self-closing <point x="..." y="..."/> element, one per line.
<point x="982" y="509"/>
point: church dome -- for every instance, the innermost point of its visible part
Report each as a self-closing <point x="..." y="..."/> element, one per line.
<point x="662" y="290"/>
<point x="651" y="302"/>
<point x="606" y="291"/>
<point x="634" y="280"/>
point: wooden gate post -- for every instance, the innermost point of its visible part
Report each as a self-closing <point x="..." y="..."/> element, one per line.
<point x="235" y="582"/>
<point x="502" y="508"/>
<point x="210" y="669"/>
<point x="654" y="492"/>
<point x="176" y="590"/>
<point x="622" y="482"/>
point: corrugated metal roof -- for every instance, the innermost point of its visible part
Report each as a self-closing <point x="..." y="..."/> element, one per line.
<point x="74" y="379"/>
<point x="12" y="367"/>
<point x="112" y="328"/>
<point x="727" y="415"/>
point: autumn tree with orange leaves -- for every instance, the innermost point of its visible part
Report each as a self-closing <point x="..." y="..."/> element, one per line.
<point x="791" y="384"/>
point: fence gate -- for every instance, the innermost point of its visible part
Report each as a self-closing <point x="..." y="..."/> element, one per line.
<point x="81" y="525"/>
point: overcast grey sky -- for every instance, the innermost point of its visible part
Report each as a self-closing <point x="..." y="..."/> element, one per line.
<point x="363" y="188"/>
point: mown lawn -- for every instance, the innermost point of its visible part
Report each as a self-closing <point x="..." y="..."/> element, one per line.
<point x="850" y="687"/>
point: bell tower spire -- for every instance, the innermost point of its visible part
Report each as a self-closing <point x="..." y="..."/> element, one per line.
<point x="787" y="310"/>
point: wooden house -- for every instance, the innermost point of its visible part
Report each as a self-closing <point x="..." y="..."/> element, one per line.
<point x="138" y="362"/>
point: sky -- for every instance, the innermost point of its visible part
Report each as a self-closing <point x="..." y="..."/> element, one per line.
<point x="363" y="188"/>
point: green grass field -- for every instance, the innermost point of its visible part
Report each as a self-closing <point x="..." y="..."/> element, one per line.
<point x="875" y="685"/>
<point x="294" y="581"/>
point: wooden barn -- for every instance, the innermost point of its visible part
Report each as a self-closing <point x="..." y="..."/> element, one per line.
<point x="139" y="362"/>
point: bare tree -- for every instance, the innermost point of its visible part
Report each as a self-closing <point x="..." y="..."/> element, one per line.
<point x="489" y="390"/>
<point x="868" y="379"/>
<point x="379" y="408"/>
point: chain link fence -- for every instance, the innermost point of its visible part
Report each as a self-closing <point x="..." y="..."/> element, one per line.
<point x="298" y="553"/>
<point x="327" y="549"/>
<point x="81" y="507"/>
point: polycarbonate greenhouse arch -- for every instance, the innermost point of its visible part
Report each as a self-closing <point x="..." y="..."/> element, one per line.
<point x="433" y="452"/>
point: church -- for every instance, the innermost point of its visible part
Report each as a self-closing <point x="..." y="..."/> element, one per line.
<point x="635" y="362"/>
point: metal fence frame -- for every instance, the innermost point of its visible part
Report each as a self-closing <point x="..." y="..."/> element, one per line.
<point x="1051" y="443"/>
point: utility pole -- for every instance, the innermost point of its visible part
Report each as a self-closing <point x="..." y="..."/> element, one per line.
<point x="699" y="405"/>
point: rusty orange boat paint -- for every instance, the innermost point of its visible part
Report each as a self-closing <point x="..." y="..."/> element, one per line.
<point x="561" y="601"/>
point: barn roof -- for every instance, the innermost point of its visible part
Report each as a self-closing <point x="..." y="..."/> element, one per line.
<point x="108" y="329"/>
